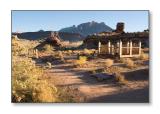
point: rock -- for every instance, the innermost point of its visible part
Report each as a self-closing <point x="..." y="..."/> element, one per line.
<point x="103" y="76"/>
<point x="54" y="39"/>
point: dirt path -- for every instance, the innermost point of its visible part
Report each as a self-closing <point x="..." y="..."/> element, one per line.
<point x="79" y="79"/>
<point x="94" y="91"/>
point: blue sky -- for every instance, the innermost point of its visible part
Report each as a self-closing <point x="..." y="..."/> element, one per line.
<point x="27" y="21"/>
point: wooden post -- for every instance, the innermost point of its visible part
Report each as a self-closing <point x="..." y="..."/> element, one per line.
<point x="130" y="48"/>
<point x="112" y="47"/>
<point x="117" y="47"/>
<point x="109" y="47"/>
<point x="99" y="47"/>
<point x="139" y="48"/>
<point x="127" y="47"/>
<point x="120" y="48"/>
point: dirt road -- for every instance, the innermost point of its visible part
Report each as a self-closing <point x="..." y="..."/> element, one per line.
<point x="95" y="91"/>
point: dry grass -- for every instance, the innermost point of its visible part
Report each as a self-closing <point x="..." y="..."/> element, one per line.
<point x="70" y="94"/>
<point x="69" y="52"/>
<point x="87" y="51"/>
<point x="60" y="55"/>
<point x="144" y="56"/>
<point x="48" y="48"/>
<point x="72" y="44"/>
<point x="120" y="79"/>
<point x="108" y="62"/>
<point x="128" y="62"/>
<point x="49" y="65"/>
<point x="114" y="69"/>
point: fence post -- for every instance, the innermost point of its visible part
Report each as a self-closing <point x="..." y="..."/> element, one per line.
<point x="99" y="47"/>
<point x="130" y="48"/>
<point x="127" y="47"/>
<point x="139" y="48"/>
<point x="109" y="47"/>
<point x="120" y="48"/>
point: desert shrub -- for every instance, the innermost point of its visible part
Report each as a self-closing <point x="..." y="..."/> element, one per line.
<point x="113" y="69"/>
<point x="14" y="37"/>
<point x="27" y="85"/>
<point x="81" y="61"/>
<point x="60" y="55"/>
<point x="48" y="48"/>
<point x="70" y="94"/>
<point x="69" y="52"/>
<point x="87" y="51"/>
<point x="44" y="92"/>
<point x="28" y="82"/>
<point x="92" y="71"/>
<point x="18" y="48"/>
<point x="49" y="65"/>
<point x="95" y="71"/>
<point x="100" y="70"/>
<point x="108" y="62"/>
<point x="144" y="56"/>
<point x="120" y="79"/>
<point x="128" y="62"/>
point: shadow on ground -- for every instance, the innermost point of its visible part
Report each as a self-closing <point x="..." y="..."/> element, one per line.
<point x="132" y="96"/>
<point x="141" y="75"/>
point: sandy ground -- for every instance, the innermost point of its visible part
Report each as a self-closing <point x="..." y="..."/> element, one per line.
<point x="137" y="89"/>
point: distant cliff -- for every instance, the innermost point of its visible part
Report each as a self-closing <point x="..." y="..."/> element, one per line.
<point x="87" y="28"/>
<point x="74" y="33"/>
<point x="44" y="34"/>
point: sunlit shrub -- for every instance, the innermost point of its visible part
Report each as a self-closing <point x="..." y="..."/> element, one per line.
<point x="60" y="55"/>
<point x="18" y="48"/>
<point x="81" y="61"/>
<point x="128" y="62"/>
<point x="144" y="56"/>
<point x="108" y="62"/>
<point x="87" y="51"/>
<point x="27" y="85"/>
<point x="49" y="65"/>
<point x="120" y="79"/>
<point x="28" y="82"/>
<point x="48" y="48"/>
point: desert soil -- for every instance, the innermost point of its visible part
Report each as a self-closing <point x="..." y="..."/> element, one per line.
<point x="92" y="90"/>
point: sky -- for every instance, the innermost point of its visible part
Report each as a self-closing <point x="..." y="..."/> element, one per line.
<point x="30" y="21"/>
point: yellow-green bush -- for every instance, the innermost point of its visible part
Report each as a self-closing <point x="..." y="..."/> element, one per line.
<point x="81" y="61"/>
<point x="28" y="82"/>
<point x="17" y="48"/>
<point x="87" y="51"/>
<point x="48" y="48"/>
<point x="27" y="85"/>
